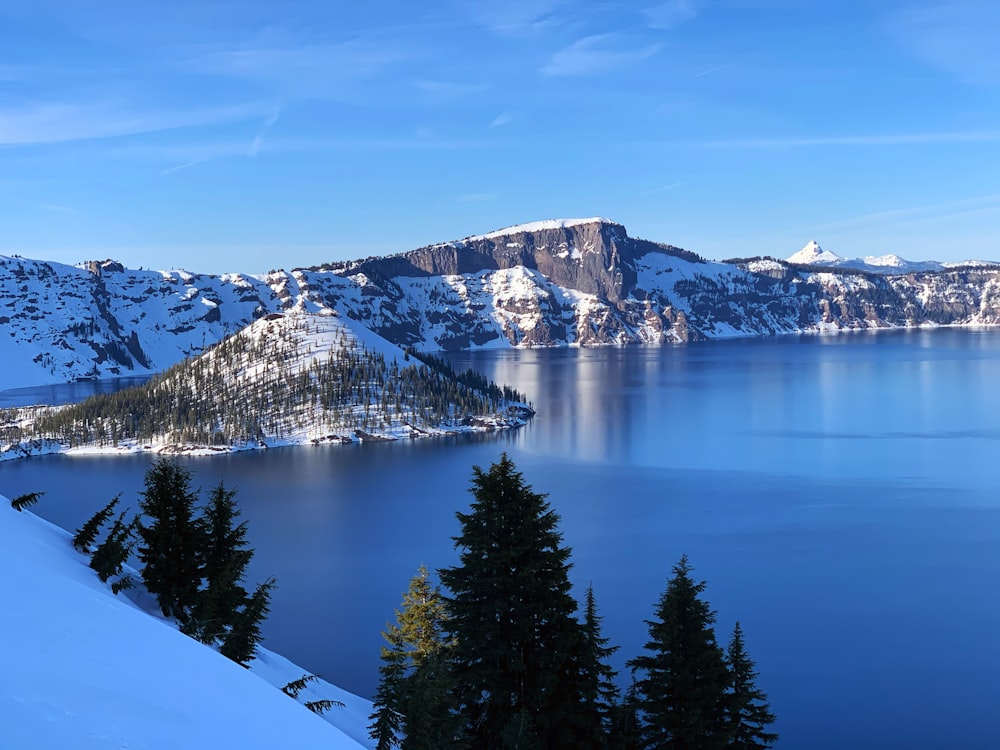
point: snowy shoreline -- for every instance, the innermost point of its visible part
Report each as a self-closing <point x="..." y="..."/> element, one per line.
<point x="519" y="416"/>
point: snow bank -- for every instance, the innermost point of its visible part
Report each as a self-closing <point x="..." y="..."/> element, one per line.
<point x="85" y="669"/>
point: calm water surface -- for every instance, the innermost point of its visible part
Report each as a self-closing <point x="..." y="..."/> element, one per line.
<point x="841" y="496"/>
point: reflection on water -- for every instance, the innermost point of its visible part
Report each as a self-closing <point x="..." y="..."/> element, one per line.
<point x="839" y="494"/>
<point x="65" y="393"/>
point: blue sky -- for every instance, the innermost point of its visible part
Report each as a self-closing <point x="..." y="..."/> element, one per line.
<point x="242" y="135"/>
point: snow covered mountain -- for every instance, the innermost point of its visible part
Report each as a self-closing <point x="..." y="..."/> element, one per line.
<point x="813" y="255"/>
<point x="89" y="670"/>
<point x="552" y="283"/>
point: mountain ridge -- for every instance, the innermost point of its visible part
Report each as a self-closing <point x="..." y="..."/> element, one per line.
<point x="582" y="282"/>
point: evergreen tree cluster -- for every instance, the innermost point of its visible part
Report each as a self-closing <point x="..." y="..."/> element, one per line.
<point x="250" y="387"/>
<point x="194" y="564"/>
<point x="505" y="658"/>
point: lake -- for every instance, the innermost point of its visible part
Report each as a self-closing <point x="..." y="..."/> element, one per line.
<point x="839" y="494"/>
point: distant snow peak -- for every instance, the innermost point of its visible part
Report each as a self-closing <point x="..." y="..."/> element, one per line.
<point x="813" y="254"/>
<point x="540" y="226"/>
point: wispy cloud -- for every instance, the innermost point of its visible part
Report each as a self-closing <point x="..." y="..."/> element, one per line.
<point x="715" y="69"/>
<point x="476" y="197"/>
<point x="515" y="17"/>
<point x="597" y="54"/>
<point x="958" y="37"/>
<point x="58" y="208"/>
<point x="449" y="88"/>
<point x="662" y="188"/>
<point x="258" y="140"/>
<point x="914" y="215"/>
<point x="179" y="167"/>
<point x="889" y="139"/>
<point x="667" y="15"/>
<point x="185" y="156"/>
<point x="314" y="70"/>
<point x="54" y="122"/>
<point x="504" y="118"/>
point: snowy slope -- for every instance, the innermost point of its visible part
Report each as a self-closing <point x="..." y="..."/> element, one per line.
<point x="87" y="670"/>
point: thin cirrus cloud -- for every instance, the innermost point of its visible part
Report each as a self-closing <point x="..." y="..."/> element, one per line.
<point x="306" y="69"/>
<point x="595" y="54"/>
<point x="57" y="122"/>
<point x="449" y="88"/>
<point x="504" y="118"/>
<point x="515" y="17"/>
<point x="667" y="15"/>
<point x="959" y="38"/>
<point x="265" y="128"/>
<point x="915" y="214"/>
<point x="891" y="139"/>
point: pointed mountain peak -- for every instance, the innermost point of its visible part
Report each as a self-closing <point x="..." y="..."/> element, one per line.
<point x="813" y="254"/>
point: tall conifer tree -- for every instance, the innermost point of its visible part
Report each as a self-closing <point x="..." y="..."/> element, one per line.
<point x="86" y="535"/>
<point x="600" y="695"/>
<point x="748" y="710"/>
<point x="682" y="693"/>
<point x="517" y="642"/>
<point x="171" y="539"/>
<point x="225" y="557"/>
<point x="413" y="706"/>
<point x="240" y="643"/>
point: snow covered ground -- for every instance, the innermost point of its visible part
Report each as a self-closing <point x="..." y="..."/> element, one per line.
<point x="84" y="669"/>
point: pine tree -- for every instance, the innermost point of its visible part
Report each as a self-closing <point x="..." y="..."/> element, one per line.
<point x="225" y="557"/>
<point x="682" y="695"/>
<point x="21" y="502"/>
<point x="240" y="643"/>
<point x="517" y="643"/>
<point x="413" y="706"/>
<point x="293" y="688"/>
<point x="626" y="728"/>
<point x="111" y="554"/>
<point x="600" y="695"/>
<point x="747" y="708"/>
<point x="86" y="535"/>
<point x="172" y="540"/>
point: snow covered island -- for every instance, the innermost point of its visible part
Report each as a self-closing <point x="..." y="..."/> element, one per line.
<point x="286" y="379"/>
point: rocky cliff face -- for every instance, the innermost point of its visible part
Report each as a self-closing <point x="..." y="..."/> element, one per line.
<point x="556" y="283"/>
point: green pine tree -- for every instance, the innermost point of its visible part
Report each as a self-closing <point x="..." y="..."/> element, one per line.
<point x="86" y="535"/>
<point x="748" y="710"/>
<point x="682" y="694"/>
<point x="21" y="502"/>
<point x="600" y="695"/>
<point x="240" y="643"/>
<point x="111" y="554"/>
<point x="172" y="539"/>
<point x="225" y="557"/>
<point x="517" y="642"/>
<point x="413" y="705"/>
<point x="626" y="727"/>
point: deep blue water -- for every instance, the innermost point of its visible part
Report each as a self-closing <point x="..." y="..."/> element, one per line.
<point x="840" y="495"/>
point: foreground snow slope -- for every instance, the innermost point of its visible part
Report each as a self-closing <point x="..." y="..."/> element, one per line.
<point x="85" y="669"/>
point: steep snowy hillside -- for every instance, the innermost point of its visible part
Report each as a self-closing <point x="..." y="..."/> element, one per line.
<point x="289" y="378"/>
<point x="551" y="283"/>
<point x="88" y="670"/>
